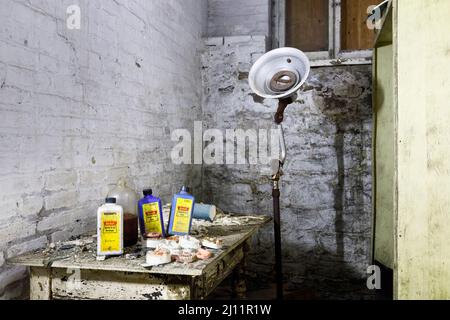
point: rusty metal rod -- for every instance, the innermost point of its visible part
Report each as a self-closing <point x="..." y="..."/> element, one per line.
<point x="279" y="117"/>
<point x="277" y="234"/>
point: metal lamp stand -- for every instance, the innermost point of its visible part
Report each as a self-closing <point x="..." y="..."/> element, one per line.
<point x="276" y="173"/>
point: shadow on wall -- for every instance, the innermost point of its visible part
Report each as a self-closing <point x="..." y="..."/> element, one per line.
<point x="342" y="113"/>
<point x="342" y="96"/>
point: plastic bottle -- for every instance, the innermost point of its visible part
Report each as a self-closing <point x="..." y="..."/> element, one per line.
<point x="128" y="199"/>
<point x="150" y="214"/>
<point x="110" y="229"/>
<point x="180" y="219"/>
<point x="204" y="211"/>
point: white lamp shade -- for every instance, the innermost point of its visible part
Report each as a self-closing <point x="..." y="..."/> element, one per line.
<point x="279" y="73"/>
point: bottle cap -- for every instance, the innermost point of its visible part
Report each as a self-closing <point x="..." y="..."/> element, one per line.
<point x="147" y="192"/>
<point x="110" y="200"/>
<point x="185" y="189"/>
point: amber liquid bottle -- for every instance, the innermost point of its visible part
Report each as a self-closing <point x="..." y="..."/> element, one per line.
<point x="127" y="198"/>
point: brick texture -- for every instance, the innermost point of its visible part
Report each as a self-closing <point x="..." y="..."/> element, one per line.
<point x="82" y="108"/>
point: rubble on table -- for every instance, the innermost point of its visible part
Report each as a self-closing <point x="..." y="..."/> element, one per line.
<point x="203" y="233"/>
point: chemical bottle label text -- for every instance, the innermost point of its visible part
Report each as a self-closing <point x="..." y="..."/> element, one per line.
<point x="110" y="232"/>
<point x="152" y="217"/>
<point x="182" y="216"/>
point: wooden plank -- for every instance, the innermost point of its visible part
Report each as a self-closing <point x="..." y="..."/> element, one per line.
<point x="307" y="24"/>
<point x="355" y="35"/>
<point x="216" y="273"/>
<point x="239" y="283"/>
<point x="384" y="146"/>
<point x="107" y="285"/>
<point x="40" y="284"/>
<point x="423" y="169"/>
<point x="384" y="161"/>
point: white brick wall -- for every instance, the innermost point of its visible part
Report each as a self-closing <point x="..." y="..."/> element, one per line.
<point x="27" y="246"/>
<point x="63" y="180"/>
<point x="8" y="277"/>
<point x="81" y="108"/>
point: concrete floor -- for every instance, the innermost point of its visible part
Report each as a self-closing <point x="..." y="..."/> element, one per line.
<point x="224" y="292"/>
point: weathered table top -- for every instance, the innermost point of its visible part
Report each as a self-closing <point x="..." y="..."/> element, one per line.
<point x="232" y="229"/>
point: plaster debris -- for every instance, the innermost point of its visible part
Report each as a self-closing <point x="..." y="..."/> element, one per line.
<point x="157" y="257"/>
<point x="213" y="243"/>
<point x="188" y="242"/>
<point x="187" y="256"/>
<point x="204" y="254"/>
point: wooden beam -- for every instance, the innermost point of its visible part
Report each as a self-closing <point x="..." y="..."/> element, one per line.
<point x="40" y="284"/>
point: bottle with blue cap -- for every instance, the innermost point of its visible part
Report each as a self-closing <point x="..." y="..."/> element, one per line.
<point x="151" y="218"/>
<point x="180" y="219"/>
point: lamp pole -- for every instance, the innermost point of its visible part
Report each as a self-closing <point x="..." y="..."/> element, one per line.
<point x="276" y="168"/>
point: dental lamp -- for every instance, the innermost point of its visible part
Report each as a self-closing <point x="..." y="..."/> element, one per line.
<point x="279" y="74"/>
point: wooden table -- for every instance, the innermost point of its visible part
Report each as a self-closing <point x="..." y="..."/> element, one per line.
<point x="72" y="271"/>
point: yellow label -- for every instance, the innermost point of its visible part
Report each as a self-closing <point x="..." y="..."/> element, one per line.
<point x="110" y="232"/>
<point x="182" y="216"/>
<point x="152" y="217"/>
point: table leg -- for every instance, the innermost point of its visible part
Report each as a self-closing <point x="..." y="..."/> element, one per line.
<point x="238" y="277"/>
<point x="239" y="285"/>
<point x="40" y="284"/>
